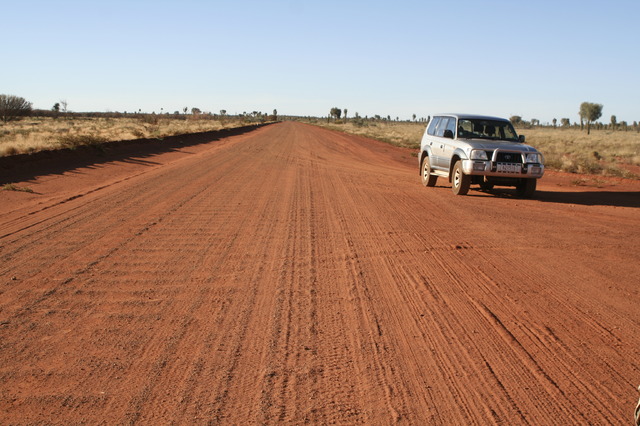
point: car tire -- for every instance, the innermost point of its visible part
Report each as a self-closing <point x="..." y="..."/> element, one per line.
<point x="526" y="188"/>
<point x="459" y="181"/>
<point x="425" y="171"/>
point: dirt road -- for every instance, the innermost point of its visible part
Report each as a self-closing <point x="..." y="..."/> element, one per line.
<point x="294" y="274"/>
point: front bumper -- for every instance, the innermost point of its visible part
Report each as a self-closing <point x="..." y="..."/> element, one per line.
<point x="510" y="170"/>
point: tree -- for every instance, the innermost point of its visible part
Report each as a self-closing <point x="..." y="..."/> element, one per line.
<point x="565" y="122"/>
<point x="275" y="114"/>
<point x="195" y="111"/>
<point x="614" y="121"/>
<point x="56" y="109"/>
<point x="414" y="117"/>
<point x="590" y="112"/>
<point x="555" y="122"/>
<point x="13" y="108"/>
<point x="335" y="112"/>
<point x="345" y="114"/>
<point x="515" y="120"/>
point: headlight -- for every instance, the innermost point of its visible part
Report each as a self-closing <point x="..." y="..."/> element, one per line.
<point x="478" y="154"/>
<point x="533" y="157"/>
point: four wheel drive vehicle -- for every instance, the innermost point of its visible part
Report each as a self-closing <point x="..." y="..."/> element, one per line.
<point x="475" y="149"/>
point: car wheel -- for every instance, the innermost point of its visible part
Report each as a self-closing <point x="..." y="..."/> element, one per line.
<point x="526" y="188"/>
<point x="460" y="181"/>
<point x="427" y="178"/>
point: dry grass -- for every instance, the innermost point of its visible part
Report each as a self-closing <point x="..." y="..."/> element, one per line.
<point x="15" y="188"/>
<point x="399" y="133"/>
<point x="44" y="133"/>
<point x="603" y="152"/>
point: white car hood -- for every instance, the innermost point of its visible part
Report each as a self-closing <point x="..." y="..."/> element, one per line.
<point x="488" y="145"/>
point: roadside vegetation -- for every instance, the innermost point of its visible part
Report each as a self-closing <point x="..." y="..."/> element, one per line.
<point x="15" y="188"/>
<point x="399" y="133"/>
<point x="602" y="152"/>
<point x="69" y="130"/>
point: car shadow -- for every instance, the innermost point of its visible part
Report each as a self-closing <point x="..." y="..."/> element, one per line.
<point x="595" y="198"/>
<point x="585" y="198"/>
<point x="25" y="167"/>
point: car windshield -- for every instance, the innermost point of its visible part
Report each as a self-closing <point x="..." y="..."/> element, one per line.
<point x="486" y="129"/>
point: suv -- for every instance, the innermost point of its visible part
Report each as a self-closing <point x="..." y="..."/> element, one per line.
<point x="475" y="149"/>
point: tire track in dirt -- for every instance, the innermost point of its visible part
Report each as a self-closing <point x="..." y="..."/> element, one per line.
<point x="298" y="275"/>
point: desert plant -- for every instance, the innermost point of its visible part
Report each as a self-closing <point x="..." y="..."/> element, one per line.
<point x="590" y="112"/>
<point x="9" y="150"/>
<point x="74" y="141"/>
<point x="515" y="120"/>
<point x="14" y="187"/>
<point x="335" y="112"/>
<point x="13" y="108"/>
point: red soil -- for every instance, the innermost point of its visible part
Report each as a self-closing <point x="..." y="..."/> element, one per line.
<point x="294" y="274"/>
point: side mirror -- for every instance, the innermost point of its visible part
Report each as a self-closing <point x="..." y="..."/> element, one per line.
<point x="448" y="134"/>
<point x="521" y="138"/>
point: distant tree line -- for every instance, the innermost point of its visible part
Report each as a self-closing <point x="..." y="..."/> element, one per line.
<point x="336" y="114"/>
<point x="589" y="113"/>
<point x="15" y="107"/>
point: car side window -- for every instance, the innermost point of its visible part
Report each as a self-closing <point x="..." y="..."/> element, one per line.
<point x="443" y="125"/>
<point x="432" y="127"/>
<point x="451" y="125"/>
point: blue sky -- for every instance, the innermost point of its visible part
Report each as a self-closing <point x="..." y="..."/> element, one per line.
<point x="537" y="59"/>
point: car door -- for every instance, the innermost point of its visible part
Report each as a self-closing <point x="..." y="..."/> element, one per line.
<point x="432" y="142"/>
<point x="439" y="143"/>
<point x="448" y="144"/>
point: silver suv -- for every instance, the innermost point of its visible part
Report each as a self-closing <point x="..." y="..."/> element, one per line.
<point x="474" y="149"/>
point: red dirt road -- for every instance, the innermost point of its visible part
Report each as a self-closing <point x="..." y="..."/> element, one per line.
<point x="294" y="274"/>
